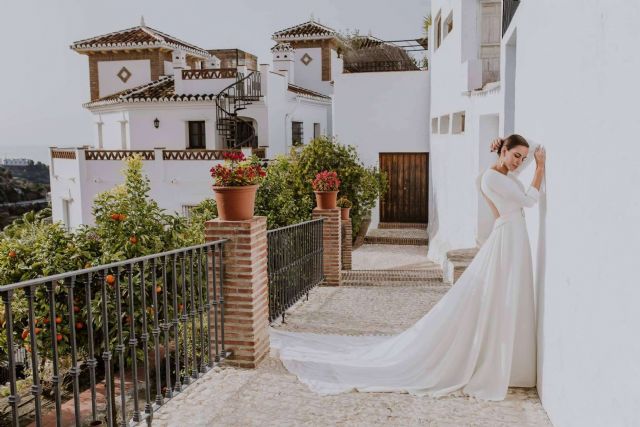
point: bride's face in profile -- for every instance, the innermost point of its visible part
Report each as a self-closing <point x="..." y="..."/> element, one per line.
<point x="513" y="158"/>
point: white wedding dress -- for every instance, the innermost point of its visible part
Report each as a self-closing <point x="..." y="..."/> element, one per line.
<point x="479" y="339"/>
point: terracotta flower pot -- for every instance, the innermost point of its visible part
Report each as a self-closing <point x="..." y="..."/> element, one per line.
<point x="344" y="213"/>
<point x="326" y="199"/>
<point x="235" y="203"/>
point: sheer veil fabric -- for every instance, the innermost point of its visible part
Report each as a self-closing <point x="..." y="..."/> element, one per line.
<point x="479" y="339"/>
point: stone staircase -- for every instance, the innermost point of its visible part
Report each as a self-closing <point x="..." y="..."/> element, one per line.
<point x="429" y="276"/>
<point x="398" y="234"/>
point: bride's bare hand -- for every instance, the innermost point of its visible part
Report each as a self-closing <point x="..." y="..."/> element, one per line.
<point x="495" y="144"/>
<point x="541" y="156"/>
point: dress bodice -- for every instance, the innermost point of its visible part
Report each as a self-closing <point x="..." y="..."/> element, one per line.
<point x="506" y="192"/>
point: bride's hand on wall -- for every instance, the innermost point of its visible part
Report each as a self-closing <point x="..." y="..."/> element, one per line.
<point x="495" y="144"/>
<point x="541" y="157"/>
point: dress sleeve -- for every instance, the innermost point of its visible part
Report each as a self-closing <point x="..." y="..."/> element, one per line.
<point x="510" y="190"/>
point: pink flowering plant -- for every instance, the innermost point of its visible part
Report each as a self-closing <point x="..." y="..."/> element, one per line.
<point x="326" y="181"/>
<point x="237" y="171"/>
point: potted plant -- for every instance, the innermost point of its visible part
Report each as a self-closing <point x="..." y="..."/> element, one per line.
<point x="325" y="186"/>
<point x="345" y="206"/>
<point x="235" y="183"/>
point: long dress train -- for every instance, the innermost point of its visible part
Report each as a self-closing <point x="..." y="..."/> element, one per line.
<point x="478" y="339"/>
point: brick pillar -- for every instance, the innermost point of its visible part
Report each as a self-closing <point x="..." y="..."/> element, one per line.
<point x="347" y="244"/>
<point x="331" y="232"/>
<point x="245" y="288"/>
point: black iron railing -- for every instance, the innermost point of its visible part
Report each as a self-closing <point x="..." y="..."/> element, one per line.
<point x="379" y="66"/>
<point x="163" y="311"/>
<point x="235" y="97"/>
<point x="295" y="264"/>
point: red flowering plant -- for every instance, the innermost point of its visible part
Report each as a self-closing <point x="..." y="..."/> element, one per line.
<point x="326" y="181"/>
<point x="237" y="171"/>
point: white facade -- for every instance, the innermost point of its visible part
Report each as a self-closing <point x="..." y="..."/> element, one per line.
<point x="155" y="116"/>
<point x="567" y="81"/>
<point x="382" y="112"/>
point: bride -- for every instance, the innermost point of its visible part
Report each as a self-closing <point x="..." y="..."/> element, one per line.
<point x="480" y="338"/>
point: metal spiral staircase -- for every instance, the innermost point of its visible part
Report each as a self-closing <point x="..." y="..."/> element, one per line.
<point x="235" y="97"/>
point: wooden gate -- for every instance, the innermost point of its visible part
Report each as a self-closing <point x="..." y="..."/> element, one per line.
<point x="407" y="198"/>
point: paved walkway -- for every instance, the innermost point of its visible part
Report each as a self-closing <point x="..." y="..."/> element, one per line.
<point x="270" y="396"/>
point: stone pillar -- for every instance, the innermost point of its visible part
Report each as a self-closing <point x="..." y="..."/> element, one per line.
<point x="347" y="244"/>
<point x="245" y="288"/>
<point x="331" y="231"/>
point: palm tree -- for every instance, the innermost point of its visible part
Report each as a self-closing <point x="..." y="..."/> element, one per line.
<point x="426" y="24"/>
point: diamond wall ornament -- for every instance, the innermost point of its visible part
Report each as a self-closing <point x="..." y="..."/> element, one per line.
<point x="124" y="74"/>
<point x="306" y="59"/>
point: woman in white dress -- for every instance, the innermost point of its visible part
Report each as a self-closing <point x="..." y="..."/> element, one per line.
<point x="478" y="339"/>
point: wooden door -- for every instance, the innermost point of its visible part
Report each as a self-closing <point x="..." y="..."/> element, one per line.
<point x="407" y="197"/>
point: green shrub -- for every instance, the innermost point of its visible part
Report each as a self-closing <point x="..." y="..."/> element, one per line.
<point x="283" y="196"/>
<point x="361" y="185"/>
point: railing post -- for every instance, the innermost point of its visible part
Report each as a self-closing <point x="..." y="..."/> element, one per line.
<point x="347" y="243"/>
<point x="244" y="288"/>
<point x="331" y="240"/>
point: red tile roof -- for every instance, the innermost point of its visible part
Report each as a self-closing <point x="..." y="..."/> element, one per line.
<point x="306" y="92"/>
<point x="162" y="90"/>
<point x="308" y="30"/>
<point x="141" y="36"/>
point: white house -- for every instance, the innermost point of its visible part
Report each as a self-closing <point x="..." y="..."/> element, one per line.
<point x="180" y="106"/>
<point x="562" y="74"/>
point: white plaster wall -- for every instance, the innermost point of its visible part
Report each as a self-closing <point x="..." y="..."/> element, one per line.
<point x="172" y="132"/>
<point x="576" y="92"/>
<point x="108" y="79"/>
<point x="65" y="185"/>
<point x="112" y="128"/>
<point x="309" y="112"/>
<point x="460" y="218"/>
<point x="310" y="76"/>
<point x="381" y="113"/>
<point x="174" y="183"/>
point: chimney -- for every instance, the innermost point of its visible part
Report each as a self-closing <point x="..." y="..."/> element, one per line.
<point x="283" y="57"/>
<point x="179" y="63"/>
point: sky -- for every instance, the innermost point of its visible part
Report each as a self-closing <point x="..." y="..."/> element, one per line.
<point x="44" y="83"/>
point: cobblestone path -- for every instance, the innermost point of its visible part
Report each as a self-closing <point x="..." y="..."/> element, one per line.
<point x="270" y="396"/>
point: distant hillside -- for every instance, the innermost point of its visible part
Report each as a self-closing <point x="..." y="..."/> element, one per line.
<point x="38" y="172"/>
<point x="13" y="189"/>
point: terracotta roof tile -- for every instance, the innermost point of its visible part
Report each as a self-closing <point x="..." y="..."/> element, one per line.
<point x="162" y="90"/>
<point x="137" y="37"/>
<point x="307" y="92"/>
<point x="309" y="29"/>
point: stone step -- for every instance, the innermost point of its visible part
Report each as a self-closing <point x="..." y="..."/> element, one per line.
<point x="391" y="240"/>
<point x="401" y="225"/>
<point x="399" y="236"/>
<point x="427" y="277"/>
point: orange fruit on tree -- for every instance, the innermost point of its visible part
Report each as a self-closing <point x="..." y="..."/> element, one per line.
<point x="133" y="240"/>
<point x="158" y="289"/>
<point x="37" y="330"/>
<point x="58" y="320"/>
<point x="111" y="279"/>
<point x="59" y="337"/>
<point x="12" y="254"/>
<point x="25" y="334"/>
<point x="79" y="325"/>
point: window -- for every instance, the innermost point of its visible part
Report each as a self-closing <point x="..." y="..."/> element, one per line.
<point x="438" y="30"/>
<point x="434" y="125"/>
<point x="448" y="25"/>
<point x="444" y="124"/>
<point x="297" y="136"/>
<point x="316" y="130"/>
<point x="196" y="135"/>
<point x="458" y="122"/>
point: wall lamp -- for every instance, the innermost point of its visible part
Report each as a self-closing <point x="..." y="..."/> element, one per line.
<point x="156" y="123"/>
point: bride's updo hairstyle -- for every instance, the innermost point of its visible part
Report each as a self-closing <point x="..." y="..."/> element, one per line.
<point x="512" y="141"/>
